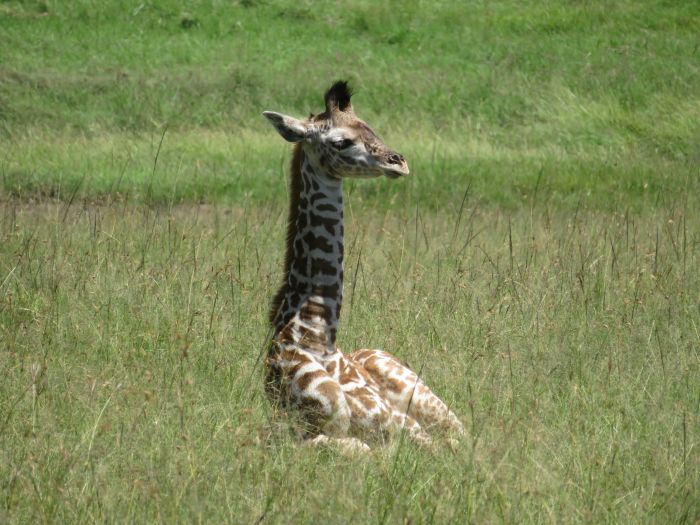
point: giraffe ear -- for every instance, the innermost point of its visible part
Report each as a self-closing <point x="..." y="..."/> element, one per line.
<point x="291" y="129"/>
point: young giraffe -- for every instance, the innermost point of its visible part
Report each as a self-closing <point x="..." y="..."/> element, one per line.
<point x="337" y="398"/>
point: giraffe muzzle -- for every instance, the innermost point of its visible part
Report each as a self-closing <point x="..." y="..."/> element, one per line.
<point x="396" y="166"/>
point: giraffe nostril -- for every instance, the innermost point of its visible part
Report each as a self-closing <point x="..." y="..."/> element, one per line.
<point x="395" y="158"/>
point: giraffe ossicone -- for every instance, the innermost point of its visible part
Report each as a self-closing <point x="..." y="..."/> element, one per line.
<point x="369" y="395"/>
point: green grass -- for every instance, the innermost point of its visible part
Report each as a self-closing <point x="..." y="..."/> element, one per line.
<point x="249" y="168"/>
<point x="540" y="266"/>
<point x="132" y="391"/>
<point x="598" y="98"/>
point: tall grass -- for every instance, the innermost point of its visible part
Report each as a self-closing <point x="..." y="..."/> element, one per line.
<point x="568" y="344"/>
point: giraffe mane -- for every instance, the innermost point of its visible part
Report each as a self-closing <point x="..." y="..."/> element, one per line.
<point x="294" y="195"/>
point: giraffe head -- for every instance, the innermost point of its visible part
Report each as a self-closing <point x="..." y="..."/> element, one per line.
<point x="338" y="142"/>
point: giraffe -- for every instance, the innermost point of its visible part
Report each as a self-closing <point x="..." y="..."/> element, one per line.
<point x="369" y="395"/>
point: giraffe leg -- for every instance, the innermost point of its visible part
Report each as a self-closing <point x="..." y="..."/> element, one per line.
<point x="407" y="392"/>
<point x="297" y="382"/>
<point x="347" y="445"/>
<point x="371" y="414"/>
<point x="415" y="432"/>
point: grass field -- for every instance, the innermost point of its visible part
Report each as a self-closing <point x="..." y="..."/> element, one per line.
<point x="540" y="266"/>
<point x="598" y="100"/>
<point x="133" y="389"/>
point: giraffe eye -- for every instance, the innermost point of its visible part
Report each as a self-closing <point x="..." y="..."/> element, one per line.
<point x="342" y="144"/>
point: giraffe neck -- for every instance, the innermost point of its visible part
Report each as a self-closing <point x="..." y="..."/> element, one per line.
<point x="307" y="306"/>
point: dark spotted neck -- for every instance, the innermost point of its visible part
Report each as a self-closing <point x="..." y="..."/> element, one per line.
<point x="306" y="309"/>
